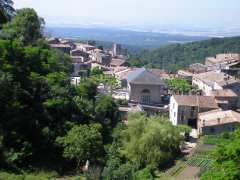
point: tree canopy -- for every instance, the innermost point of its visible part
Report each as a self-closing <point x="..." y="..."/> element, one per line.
<point x="226" y="166"/>
<point x="44" y="119"/>
<point x="26" y="27"/>
<point x="82" y="143"/>
<point x="177" y="56"/>
<point x="6" y="10"/>
<point x="181" y="86"/>
<point x="142" y="146"/>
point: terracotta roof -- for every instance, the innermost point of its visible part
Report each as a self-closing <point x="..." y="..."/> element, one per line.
<point x="117" y="62"/>
<point x="160" y="72"/>
<point x="212" y="77"/>
<point x="185" y="73"/>
<point x="216" y="117"/>
<point x="200" y="101"/>
<point x="223" y="58"/>
<point x="223" y="93"/>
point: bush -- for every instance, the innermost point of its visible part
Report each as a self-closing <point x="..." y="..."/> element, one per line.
<point x="144" y="174"/>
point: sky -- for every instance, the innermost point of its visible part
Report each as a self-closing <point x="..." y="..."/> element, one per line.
<point x="215" y="13"/>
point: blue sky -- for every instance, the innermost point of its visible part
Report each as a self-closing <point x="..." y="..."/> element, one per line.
<point x="137" y="12"/>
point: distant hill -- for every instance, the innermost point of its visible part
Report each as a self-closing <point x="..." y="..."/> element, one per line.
<point x="147" y="40"/>
<point x="176" y="56"/>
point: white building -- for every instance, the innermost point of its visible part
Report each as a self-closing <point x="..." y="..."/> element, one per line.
<point x="184" y="109"/>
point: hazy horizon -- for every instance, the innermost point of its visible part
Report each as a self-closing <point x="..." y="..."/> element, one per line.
<point x="138" y="13"/>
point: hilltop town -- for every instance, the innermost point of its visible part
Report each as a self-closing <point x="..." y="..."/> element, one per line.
<point x="72" y="109"/>
<point x="208" y="101"/>
<point x="146" y="89"/>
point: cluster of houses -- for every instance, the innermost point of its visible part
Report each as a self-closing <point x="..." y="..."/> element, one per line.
<point x="213" y="110"/>
<point x="85" y="56"/>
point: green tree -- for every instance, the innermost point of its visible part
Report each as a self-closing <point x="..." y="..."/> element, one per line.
<point x="96" y="71"/>
<point x="106" y="113"/>
<point x="178" y="85"/>
<point x="6" y="10"/>
<point x="227" y="158"/>
<point x="152" y="141"/>
<point x="87" y="89"/>
<point x="82" y="143"/>
<point x="25" y="26"/>
<point x="144" y="174"/>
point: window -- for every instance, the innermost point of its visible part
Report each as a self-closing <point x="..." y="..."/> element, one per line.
<point x="145" y="99"/>
<point x="192" y="111"/>
<point x="146" y="96"/>
<point x="182" y="116"/>
<point x="212" y="130"/>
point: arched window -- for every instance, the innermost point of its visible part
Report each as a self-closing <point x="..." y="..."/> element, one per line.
<point x="146" y="91"/>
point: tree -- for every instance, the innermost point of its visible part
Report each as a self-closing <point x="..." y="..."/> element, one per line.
<point x="96" y="71"/>
<point x="227" y="158"/>
<point x="87" y="89"/>
<point x="144" y="174"/>
<point x="106" y="111"/>
<point x="25" y="26"/>
<point x="6" y="10"/>
<point x="82" y="143"/>
<point x="178" y="85"/>
<point x="152" y="141"/>
<point x="107" y="114"/>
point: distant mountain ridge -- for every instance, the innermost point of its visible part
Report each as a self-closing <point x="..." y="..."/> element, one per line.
<point x="147" y="40"/>
<point x="176" y="56"/>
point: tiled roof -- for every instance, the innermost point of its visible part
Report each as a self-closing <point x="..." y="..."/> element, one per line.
<point x="117" y="62"/>
<point x="216" y="117"/>
<point x="143" y="76"/>
<point x="220" y="78"/>
<point x="223" y="93"/>
<point x="200" y="101"/>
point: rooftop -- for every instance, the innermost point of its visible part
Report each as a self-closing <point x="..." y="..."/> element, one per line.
<point x="224" y="93"/>
<point x="60" y="45"/>
<point x="220" y="78"/>
<point x="216" y="117"/>
<point x="223" y="58"/>
<point x="160" y="72"/>
<point x="196" y="101"/>
<point x="117" y="62"/>
<point x="143" y="76"/>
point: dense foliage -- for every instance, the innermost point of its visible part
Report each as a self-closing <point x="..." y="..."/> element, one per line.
<point x="145" y="144"/>
<point x="226" y="166"/>
<point x="173" y="57"/>
<point x="181" y="86"/>
<point x="26" y="27"/>
<point x="6" y="10"/>
<point x="44" y="120"/>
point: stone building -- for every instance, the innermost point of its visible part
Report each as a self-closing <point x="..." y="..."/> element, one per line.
<point x="118" y="50"/>
<point x="79" y="56"/>
<point x="145" y="88"/>
<point x="184" y="109"/>
<point x="226" y="99"/>
<point x="217" y="121"/>
<point x="65" y="48"/>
